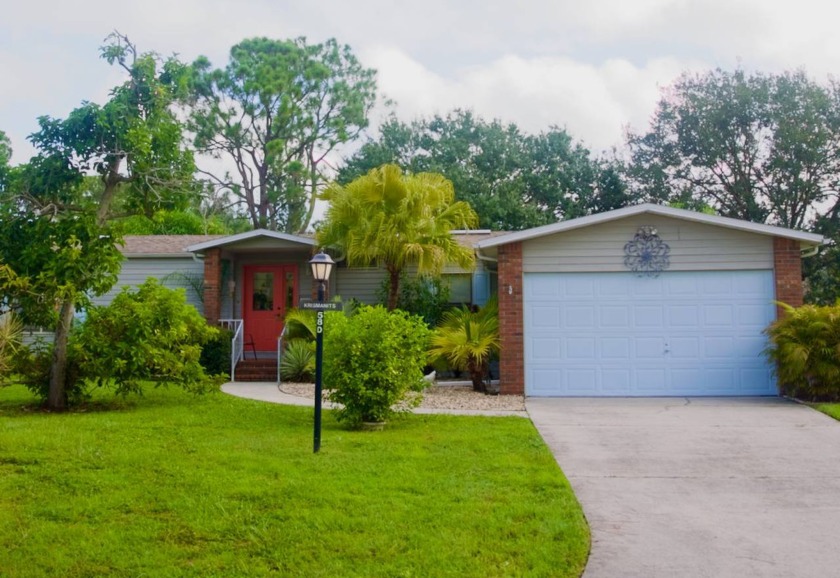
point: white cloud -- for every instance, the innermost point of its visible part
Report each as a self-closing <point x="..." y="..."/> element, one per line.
<point x="591" y="66"/>
<point x="593" y="102"/>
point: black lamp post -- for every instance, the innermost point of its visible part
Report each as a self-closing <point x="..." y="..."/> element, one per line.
<point x="321" y="265"/>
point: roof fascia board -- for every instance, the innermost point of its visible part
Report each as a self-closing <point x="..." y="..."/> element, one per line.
<point x="233" y="239"/>
<point x="714" y="220"/>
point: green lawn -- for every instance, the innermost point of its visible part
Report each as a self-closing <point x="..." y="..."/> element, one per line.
<point x="832" y="409"/>
<point x="175" y="485"/>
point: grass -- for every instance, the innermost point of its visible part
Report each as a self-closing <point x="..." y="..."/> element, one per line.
<point x="832" y="409"/>
<point x="175" y="485"/>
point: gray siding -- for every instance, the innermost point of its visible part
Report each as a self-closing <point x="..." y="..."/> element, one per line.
<point x="135" y="271"/>
<point x="358" y="283"/>
<point x="694" y="247"/>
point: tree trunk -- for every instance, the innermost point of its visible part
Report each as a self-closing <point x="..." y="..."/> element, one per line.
<point x="57" y="396"/>
<point x="393" y="288"/>
<point x="477" y="376"/>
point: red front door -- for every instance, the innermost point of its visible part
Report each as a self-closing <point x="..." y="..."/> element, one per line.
<point x="269" y="291"/>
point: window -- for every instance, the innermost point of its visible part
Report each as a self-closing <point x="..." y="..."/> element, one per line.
<point x="263" y="298"/>
<point x="460" y="288"/>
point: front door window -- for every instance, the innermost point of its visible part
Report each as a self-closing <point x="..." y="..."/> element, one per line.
<point x="263" y="294"/>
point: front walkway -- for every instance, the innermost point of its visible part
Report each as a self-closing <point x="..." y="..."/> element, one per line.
<point x="700" y="487"/>
<point x="268" y="391"/>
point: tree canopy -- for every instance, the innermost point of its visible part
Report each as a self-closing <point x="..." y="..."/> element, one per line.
<point x="513" y="180"/>
<point x="759" y="147"/>
<point x="132" y="143"/>
<point x="398" y="219"/>
<point x="276" y="111"/>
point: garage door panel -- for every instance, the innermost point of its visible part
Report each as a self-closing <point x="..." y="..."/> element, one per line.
<point x="648" y="316"/>
<point x="547" y="348"/>
<point x="719" y="315"/>
<point x="614" y="317"/>
<point x="616" y="381"/>
<point x="615" y="349"/>
<point x="580" y="316"/>
<point x="649" y="347"/>
<point x="682" y="315"/>
<point x="752" y="317"/>
<point x="543" y="286"/>
<point x="684" y="347"/>
<point x="580" y="380"/>
<point x="580" y="286"/>
<point x="650" y="381"/>
<point x="683" y="333"/>
<point x="546" y="382"/>
<point x="580" y="348"/>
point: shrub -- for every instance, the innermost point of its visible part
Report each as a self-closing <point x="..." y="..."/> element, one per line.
<point x="424" y="296"/>
<point x="805" y="346"/>
<point x="151" y="334"/>
<point x="372" y="361"/>
<point x="468" y="340"/>
<point x="215" y="354"/>
<point x="298" y="361"/>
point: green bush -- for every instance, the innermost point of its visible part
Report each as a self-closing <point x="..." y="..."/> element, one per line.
<point x="298" y="361"/>
<point x="215" y="354"/>
<point x="151" y="334"/>
<point x="423" y="296"/>
<point x="372" y="361"/>
<point x="31" y="366"/>
<point x="805" y="346"/>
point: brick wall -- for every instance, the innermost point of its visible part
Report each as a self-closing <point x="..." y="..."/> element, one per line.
<point x="512" y="356"/>
<point x="212" y="285"/>
<point x="787" y="269"/>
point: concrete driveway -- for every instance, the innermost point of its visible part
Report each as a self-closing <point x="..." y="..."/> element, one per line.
<point x="700" y="487"/>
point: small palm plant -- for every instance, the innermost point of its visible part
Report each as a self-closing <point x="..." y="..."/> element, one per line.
<point x="468" y="340"/>
<point x="298" y="362"/>
<point x="805" y="345"/>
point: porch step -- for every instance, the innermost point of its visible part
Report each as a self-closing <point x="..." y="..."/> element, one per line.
<point x="256" y="370"/>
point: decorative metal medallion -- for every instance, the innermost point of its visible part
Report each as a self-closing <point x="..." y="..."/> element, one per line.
<point x="647" y="254"/>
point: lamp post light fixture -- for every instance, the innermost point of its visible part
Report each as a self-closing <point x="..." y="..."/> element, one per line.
<point x="322" y="265"/>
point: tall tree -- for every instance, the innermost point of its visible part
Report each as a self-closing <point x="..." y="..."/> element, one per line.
<point x="276" y="111"/>
<point x="513" y="180"/>
<point x="132" y="143"/>
<point x="398" y="219"/>
<point x="759" y="147"/>
<point x="5" y="158"/>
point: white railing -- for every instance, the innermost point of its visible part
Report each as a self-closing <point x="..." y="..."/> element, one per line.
<point x="280" y="353"/>
<point x="237" y="344"/>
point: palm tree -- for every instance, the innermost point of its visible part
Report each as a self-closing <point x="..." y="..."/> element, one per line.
<point x="397" y="219"/>
<point x="468" y="339"/>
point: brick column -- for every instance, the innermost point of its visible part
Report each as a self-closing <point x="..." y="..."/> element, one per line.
<point x="512" y="355"/>
<point x="212" y="285"/>
<point x="787" y="270"/>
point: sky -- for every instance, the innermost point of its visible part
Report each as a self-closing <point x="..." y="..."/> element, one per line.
<point x="596" y="68"/>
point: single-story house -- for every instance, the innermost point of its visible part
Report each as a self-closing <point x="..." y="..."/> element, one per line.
<point x="641" y="301"/>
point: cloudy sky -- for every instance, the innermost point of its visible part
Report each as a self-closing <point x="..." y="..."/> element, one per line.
<point x="594" y="67"/>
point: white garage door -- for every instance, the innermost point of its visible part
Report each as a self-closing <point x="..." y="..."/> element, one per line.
<point x="617" y="334"/>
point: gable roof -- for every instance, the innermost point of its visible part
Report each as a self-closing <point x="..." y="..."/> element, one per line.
<point x="737" y="224"/>
<point x="224" y="240"/>
<point x="162" y="245"/>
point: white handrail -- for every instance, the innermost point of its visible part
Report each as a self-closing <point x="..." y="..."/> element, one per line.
<point x="280" y="353"/>
<point x="237" y="343"/>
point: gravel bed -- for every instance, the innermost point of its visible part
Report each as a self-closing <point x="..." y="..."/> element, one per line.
<point x="439" y="397"/>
